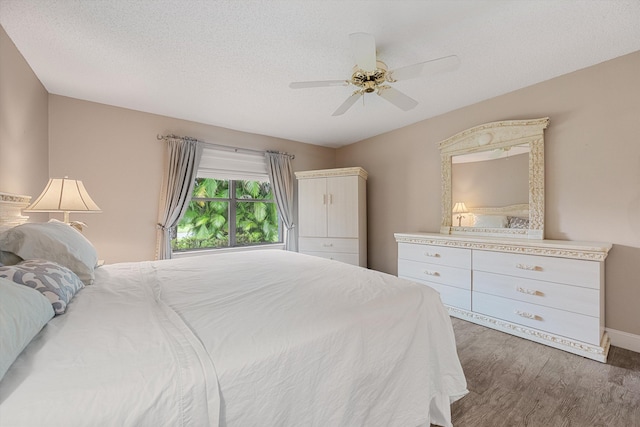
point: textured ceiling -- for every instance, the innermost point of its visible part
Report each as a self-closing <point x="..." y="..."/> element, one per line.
<point x="229" y="63"/>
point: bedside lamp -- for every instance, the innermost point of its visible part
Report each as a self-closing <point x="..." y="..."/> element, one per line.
<point x="459" y="208"/>
<point x="64" y="195"/>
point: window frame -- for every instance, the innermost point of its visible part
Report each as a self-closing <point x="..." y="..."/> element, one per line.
<point x="232" y="201"/>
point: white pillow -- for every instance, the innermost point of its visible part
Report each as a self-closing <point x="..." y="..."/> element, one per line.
<point x="8" y="258"/>
<point x="52" y="241"/>
<point x="491" y="221"/>
<point x="23" y="312"/>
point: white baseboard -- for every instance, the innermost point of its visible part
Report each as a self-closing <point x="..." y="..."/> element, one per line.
<point x="624" y="340"/>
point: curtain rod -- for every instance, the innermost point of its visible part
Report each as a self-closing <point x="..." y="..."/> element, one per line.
<point x="226" y="147"/>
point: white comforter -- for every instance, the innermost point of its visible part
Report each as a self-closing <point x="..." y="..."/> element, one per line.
<point x="263" y="338"/>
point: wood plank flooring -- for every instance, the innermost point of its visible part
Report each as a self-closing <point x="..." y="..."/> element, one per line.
<point x="515" y="382"/>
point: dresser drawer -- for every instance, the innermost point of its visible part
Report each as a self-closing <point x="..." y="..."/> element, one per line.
<point x="352" y="259"/>
<point x="564" y="297"/>
<point x="576" y="272"/>
<point x="572" y="325"/>
<point x="449" y="295"/>
<point x="452" y="296"/>
<point x="452" y="276"/>
<point x="454" y="257"/>
<point x="327" y="244"/>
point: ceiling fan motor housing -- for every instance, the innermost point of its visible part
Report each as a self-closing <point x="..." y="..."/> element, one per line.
<point x="368" y="81"/>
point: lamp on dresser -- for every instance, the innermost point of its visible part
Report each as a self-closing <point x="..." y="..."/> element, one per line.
<point x="65" y="195"/>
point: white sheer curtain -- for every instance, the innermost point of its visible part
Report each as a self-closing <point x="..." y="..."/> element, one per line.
<point x="181" y="168"/>
<point x="281" y="178"/>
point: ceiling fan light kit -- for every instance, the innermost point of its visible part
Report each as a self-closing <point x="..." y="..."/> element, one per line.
<point x="369" y="80"/>
<point x="370" y="74"/>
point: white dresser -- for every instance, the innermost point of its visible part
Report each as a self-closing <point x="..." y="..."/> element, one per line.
<point x="548" y="291"/>
<point x="332" y="214"/>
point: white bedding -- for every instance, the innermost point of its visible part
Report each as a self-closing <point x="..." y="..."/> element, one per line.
<point x="262" y="338"/>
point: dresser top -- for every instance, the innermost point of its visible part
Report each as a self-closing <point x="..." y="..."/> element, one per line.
<point x="595" y="251"/>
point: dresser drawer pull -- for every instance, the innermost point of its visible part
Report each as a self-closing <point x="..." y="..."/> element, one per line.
<point x="327" y="245"/>
<point x="528" y="315"/>
<point x="529" y="267"/>
<point x="529" y="291"/>
<point x="431" y="273"/>
<point x="432" y="254"/>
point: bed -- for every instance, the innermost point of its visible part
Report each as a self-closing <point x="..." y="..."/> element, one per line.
<point x="259" y="338"/>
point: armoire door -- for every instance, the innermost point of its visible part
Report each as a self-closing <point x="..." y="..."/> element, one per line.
<point x="342" y="212"/>
<point x="312" y="207"/>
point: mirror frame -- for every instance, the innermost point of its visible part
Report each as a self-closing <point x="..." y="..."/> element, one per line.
<point x="487" y="137"/>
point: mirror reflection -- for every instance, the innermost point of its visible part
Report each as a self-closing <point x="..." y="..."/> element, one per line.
<point x="488" y="179"/>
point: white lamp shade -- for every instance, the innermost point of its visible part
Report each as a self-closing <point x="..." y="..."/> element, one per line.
<point x="64" y="195"/>
<point x="459" y="207"/>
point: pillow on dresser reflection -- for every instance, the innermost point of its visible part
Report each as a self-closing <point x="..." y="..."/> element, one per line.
<point x="518" y="222"/>
<point x="491" y="221"/>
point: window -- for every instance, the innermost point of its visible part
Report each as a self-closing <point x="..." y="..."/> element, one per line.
<point x="227" y="213"/>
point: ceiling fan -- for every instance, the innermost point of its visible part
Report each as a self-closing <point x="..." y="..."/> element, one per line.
<point x="370" y="75"/>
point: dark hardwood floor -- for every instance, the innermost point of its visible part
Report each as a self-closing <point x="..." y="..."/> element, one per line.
<point x="515" y="382"/>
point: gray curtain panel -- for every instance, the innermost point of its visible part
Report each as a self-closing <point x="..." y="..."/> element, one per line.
<point x="281" y="177"/>
<point x="181" y="168"/>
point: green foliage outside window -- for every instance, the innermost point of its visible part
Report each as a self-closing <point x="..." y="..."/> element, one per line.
<point x="206" y="223"/>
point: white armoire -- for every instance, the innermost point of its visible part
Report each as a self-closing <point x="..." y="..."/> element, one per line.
<point x="332" y="214"/>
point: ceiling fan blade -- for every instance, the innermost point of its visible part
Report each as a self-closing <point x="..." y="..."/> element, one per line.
<point x="397" y="98"/>
<point x="347" y="104"/>
<point x="321" y="83"/>
<point x="434" y="66"/>
<point x="363" y="47"/>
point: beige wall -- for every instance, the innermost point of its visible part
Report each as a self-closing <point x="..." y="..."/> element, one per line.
<point x="116" y="154"/>
<point x="24" y="152"/>
<point x="592" y="176"/>
<point x="483" y="184"/>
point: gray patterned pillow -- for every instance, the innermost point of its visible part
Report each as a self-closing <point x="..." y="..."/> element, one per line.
<point x="57" y="283"/>
<point x="517" y="222"/>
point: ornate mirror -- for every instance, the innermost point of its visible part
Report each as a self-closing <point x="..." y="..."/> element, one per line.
<point x="493" y="180"/>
